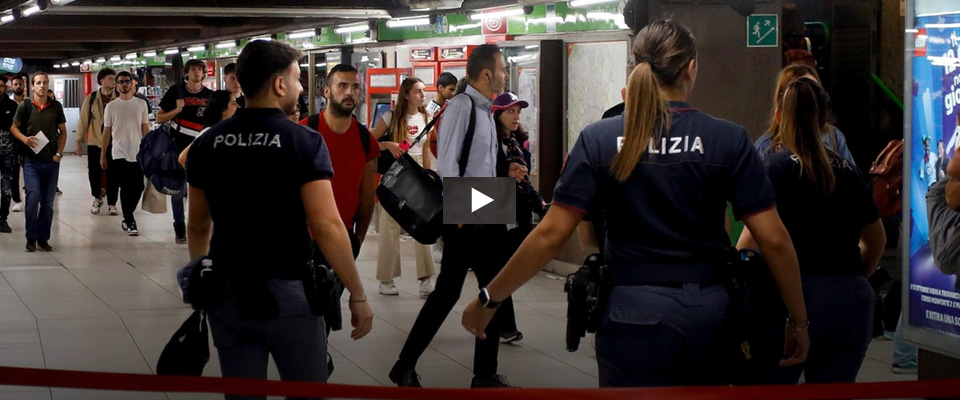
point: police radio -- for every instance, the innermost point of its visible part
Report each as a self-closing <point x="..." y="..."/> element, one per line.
<point x="586" y="300"/>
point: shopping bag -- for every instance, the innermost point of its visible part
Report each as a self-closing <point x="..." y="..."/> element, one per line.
<point x="188" y="350"/>
<point x="153" y="201"/>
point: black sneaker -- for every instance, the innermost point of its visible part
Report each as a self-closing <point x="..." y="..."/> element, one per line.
<point x="510" y="337"/>
<point x="130" y="228"/>
<point x="180" y="229"/>
<point x="5" y="227"/>
<point x="31" y="246"/>
<point x="44" y="245"/>
<point x="496" y="381"/>
<point x="404" y="377"/>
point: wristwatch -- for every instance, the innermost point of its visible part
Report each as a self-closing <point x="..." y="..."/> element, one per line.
<point x="485" y="299"/>
<point x="59" y="155"/>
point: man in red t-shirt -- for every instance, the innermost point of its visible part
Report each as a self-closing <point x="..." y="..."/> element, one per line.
<point x="354" y="160"/>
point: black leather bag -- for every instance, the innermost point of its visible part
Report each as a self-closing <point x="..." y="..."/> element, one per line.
<point x="413" y="197"/>
<point x="386" y="157"/>
<point x="188" y="350"/>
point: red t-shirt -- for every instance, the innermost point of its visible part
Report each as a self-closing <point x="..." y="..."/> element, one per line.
<point x="349" y="162"/>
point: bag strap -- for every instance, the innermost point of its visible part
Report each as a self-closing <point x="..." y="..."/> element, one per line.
<point x="313" y="121"/>
<point x="468" y="139"/>
<point x="364" y="138"/>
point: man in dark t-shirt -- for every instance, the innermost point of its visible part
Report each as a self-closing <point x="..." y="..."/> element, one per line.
<point x="8" y="158"/>
<point x="261" y="306"/>
<point x="184" y="104"/>
<point x="41" y="163"/>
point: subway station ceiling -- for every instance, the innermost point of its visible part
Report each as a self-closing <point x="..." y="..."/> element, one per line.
<point x="68" y="29"/>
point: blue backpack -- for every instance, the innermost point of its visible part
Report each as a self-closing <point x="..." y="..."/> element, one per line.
<point x="158" y="159"/>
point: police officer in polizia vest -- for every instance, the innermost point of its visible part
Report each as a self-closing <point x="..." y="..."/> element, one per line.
<point x="261" y="308"/>
<point x="663" y="193"/>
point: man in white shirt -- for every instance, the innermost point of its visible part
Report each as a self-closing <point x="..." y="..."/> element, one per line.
<point x="125" y="122"/>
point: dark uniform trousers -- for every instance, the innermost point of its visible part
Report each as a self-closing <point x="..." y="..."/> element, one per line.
<point x="661" y="335"/>
<point x="95" y="173"/>
<point x="481" y="247"/>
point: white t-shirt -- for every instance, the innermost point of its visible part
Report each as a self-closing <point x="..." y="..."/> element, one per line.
<point x="415" y="124"/>
<point x="125" y="117"/>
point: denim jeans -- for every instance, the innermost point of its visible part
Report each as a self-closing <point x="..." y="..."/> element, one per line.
<point x="902" y="352"/>
<point x="40" y="179"/>
<point x="177" y="203"/>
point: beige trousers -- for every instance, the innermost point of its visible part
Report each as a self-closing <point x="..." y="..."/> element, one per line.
<point x="388" y="256"/>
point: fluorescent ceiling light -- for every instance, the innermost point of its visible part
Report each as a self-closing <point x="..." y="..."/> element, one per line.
<point x="304" y="65"/>
<point x="57" y="66"/>
<point x="321" y="65"/>
<point x="196" y="48"/>
<point x="115" y="58"/>
<point x="352" y="28"/>
<point x="168" y="52"/>
<point x="88" y="62"/>
<point x="497" y="14"/>
<point x="302" y="34"/>
<point x="400" y="23"/>
<point x="131" y="56"/>
<point x="226" y="45"/>
<point x="101" y="59"/>
<point x="584" y="3"/>
<point x="150" y="53"/>
<point x="6" y="18"/>
<point x="532" y="46"/>
<point x="27" y="12"/>
<point x="75" y="63"/>
<point x="266" y="38"/>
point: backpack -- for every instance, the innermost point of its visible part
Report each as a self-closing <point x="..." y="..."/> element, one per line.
<point x="944" y="229"/>
<point x="313" y="121"/>
<point x="158" y="158"/>
<point x="887" y="170"/>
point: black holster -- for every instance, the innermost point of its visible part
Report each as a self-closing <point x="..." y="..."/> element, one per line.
<point x="587" y="291"/>
<point x="323" y="288"/>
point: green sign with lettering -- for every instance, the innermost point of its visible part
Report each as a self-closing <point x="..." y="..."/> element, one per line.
<point x="762" y="30"/>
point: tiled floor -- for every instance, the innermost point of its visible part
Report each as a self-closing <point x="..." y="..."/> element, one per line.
<point x="102" y="301"/>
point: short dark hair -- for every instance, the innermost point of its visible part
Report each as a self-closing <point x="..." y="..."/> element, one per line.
<point x="3" y="79"/>
<point x="260" y="62"/>
<point x="36" y="74"/>
<point x="482" y="57"/>
<point x="20" y="77"/>
<point x="230" y="69"/>
<point x="105" y="73"/>
<point x="124" y="74"/>
<point x="345" y="68"/>
<point x="194" y="63"/>
<point x="446" y="79"/>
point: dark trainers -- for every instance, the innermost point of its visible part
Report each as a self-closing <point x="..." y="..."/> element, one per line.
<point x="404" y="377"/>
<point x="44" y="245"/>
<point x="5" y="227"/>
<point x="130" y="228"/>
<point x="496" y="381"/>
<point x="510" y="337"/>
<point x="31" y="246"/>
<point x="180" y="229"/>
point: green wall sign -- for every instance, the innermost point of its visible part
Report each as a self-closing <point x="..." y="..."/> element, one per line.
<point x="762" y="30"/>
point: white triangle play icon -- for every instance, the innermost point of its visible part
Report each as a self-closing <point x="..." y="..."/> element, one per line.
<point x="478" y="200"/>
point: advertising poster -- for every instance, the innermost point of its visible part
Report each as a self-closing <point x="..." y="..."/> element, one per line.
<point x="934" y="289"/>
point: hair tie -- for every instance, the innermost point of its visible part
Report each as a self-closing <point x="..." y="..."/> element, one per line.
<point x="646" y="59"/>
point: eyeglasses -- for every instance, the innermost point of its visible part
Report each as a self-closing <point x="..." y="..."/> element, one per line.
<point x="125" y="82"/>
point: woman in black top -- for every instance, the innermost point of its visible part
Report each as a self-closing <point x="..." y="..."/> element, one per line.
<point x="836" y="230"/>
<point x="661" y="175"/>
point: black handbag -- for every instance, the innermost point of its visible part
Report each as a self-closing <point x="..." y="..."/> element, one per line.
<point x="386" y="158"/>
<point x="188" y="350"/>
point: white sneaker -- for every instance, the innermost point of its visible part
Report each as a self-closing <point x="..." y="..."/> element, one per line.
<point x="112" y="210"/>
<point x="389" y="289"/>
<point x="95" y="208"/>
<point x="426" y="287"/>
<point x="17" y="207"/>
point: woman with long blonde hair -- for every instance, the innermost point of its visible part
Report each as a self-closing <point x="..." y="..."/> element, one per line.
<point x="661" y="176"/>
<point x="402" y="125"/>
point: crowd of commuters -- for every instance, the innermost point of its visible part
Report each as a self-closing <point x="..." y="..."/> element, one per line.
<point x="661" y="212"/>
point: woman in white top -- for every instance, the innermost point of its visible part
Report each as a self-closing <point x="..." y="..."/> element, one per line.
<point x="403" y="124"/>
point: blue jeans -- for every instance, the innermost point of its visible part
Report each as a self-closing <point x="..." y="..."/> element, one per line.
<point x="661" y="336"/>
<point x="40" y="179"/>
<point x="902" y="352"/>
<point x="295" y="338"/>
<point x="177" y="203"/>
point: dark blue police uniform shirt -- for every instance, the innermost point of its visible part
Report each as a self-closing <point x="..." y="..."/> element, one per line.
<point x="824" y="228"/>
<point x="258" y="157"/>
<point x="671" y="209"/>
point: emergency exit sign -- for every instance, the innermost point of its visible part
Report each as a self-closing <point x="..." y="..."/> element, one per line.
<point x="762" y="30"/>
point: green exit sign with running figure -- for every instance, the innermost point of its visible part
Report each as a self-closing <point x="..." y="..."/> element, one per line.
<point x="762" y="30"/>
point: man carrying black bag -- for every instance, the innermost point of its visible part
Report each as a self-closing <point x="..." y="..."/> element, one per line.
<point x="468" y="245"/>
<point x="261" y="308"/>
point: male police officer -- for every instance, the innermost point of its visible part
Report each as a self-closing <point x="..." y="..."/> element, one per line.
<point x="261" y="308"/>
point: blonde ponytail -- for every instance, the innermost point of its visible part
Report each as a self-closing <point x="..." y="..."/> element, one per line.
<point x="645" y="113"/>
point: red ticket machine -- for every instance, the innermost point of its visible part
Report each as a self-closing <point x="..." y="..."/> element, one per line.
<point x="425" y="66"/>
<point x="453" y="59"/>
<point x="382" y="85"/>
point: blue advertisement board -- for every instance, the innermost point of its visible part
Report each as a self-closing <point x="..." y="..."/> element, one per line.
<point x="934" y="134"/>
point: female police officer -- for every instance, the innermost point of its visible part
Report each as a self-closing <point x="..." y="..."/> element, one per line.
<point x="663" y="193"/>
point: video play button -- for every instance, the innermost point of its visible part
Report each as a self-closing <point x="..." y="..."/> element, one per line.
<point x="479" y="201"/>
